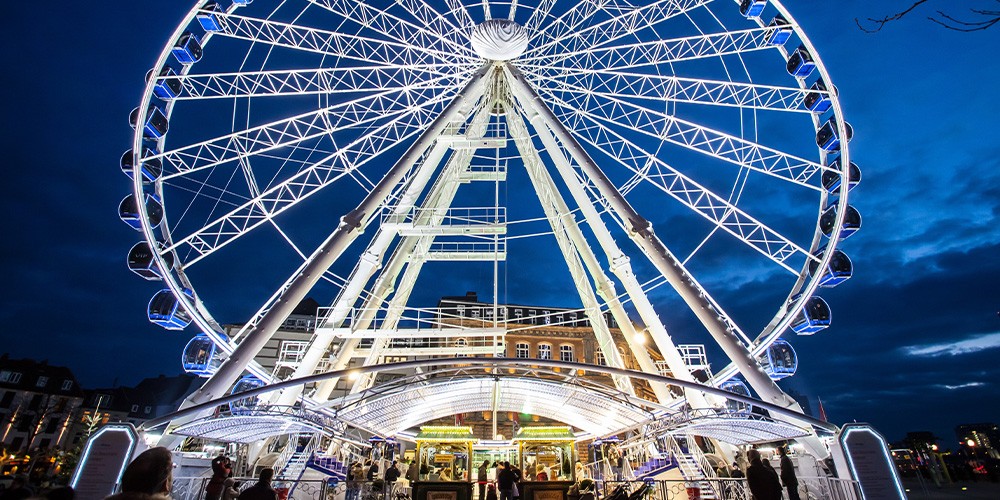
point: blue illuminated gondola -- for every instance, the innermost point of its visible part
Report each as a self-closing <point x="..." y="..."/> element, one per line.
<point x="245" y="405"/>
<point x="156" y="123"/>
<point x="852" y="221"/>
<point x="818" y="99"/>
<point x="832" y="180"/>
<point x="150" y="168"/>
<point x="187" y="50"/>
<point x="828" y="136"/>
<point x="165" y="310"/>
<point x="778" y="31"/>
<point x="141" y="262"/>
<point x="814" y="316"/>
<point x="736" y="386"/>
<point x="779" y="360"/>
<point x="129" y="212"/>
<point x="167" y="85"/>
<point x="209" y="17"/>
<point x="199" y="356"/>
<point x="800" y="63"/>
<point x="752" y="8"/>
<point x="838" y="271"/>
<point x="242" y="3"/>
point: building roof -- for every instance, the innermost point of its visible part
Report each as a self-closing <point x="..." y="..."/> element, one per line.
<point x="38" y="376"/>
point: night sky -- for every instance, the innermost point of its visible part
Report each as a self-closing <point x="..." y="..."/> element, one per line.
<point x="916" y="332"/>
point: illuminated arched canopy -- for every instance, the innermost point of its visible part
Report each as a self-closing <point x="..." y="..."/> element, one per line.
<point x="410" y="405"/>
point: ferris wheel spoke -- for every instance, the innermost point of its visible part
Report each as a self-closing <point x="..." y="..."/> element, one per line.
<point x="430" y="16"/>
<point x="689" y="135"/>
<point x="652" y="53"/>
<point x="460" y="13"/>
<point x="571" y="37"/>
<point x="427" y="34"/>
<point x="627" y="85"/>
<point x="648" y="167"/>
<point x="304" y="81"/>
<point x="538" y="15"/>
<point x="339" y="45"/>
<point x="303" y="184"/>
<point x="297" y="129"/>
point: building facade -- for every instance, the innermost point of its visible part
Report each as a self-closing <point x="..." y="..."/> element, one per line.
<point x="38" y="402"/>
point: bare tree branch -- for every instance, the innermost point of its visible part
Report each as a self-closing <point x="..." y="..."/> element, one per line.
<point x="985" y="19"/>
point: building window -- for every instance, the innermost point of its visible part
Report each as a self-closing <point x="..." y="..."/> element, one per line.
<point x="51" y="427"/>
<point x="572" y="319"/>
<point x="566" y="353"/>
<point x="9" y="376"/>
<point x="548" y="318"/>
<point x="521" y="350"/>
<point x="461" y="344"/>
<point x="147" y="409"/>
<point x="67" y="385"/>
<point x="135" y="408"/>
<point x="600" y="358"/>
<point x="42" y="381"/>
<point x="8" y="398"/>
<point x="518" y="313"/>
<point x="544" y="351"/>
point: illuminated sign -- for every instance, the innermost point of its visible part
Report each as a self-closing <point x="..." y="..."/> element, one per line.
<point x="103" y="461"/>
<point x="870" y="462"/>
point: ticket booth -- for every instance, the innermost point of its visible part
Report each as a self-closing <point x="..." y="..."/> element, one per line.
<point x="444" y="458"/>
<point x="548" y="450"/>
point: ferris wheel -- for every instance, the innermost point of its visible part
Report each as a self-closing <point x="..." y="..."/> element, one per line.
<point x="692" y="153"/>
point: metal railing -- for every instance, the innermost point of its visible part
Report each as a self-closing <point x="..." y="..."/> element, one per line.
<point x="679" y="489"/>
<point x="831" y="488"/>
<point x="193" y="488"/>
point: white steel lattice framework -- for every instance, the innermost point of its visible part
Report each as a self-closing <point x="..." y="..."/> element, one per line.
<point x="378" y="155"/>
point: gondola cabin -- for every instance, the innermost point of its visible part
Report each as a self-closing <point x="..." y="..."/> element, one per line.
<point x="199" y="356"/>
<point x="149" y="168"/>
<point x="167" y="85"/>
<point x="839" y="270"/>
<point x="165" y="310"/>
<point x="129" y="213"/>
<point x="832" y="179"/>
<point x="141" y="261"/>
<point x="852" y="221"/>
<point x="814" y="316"/>
<point x="210" y="18"/>
<point x="736" y="386"/>
<point x="800" y="63"/>
<point x="247" y="404"/>
<point x="752" y="8"/>
<point x="242" y="3"/>
<point x="156" y="123"/>
<point x="828" y="136"/>
<point x="188" y="49"/>
<point x="778" y="31"/>
<point x="818" y="99"/>
<point x="779" y="360"/>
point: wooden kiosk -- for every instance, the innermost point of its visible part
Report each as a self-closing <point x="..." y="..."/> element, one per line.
<point x="444" y="458"/>
<point x="553" y="450"/>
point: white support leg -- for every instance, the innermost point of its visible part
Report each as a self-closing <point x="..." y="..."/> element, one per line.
<point x="641" y="232"/>
<point x="572" y="244"/>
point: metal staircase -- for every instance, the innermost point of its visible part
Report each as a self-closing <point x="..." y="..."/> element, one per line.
<point x="294" y="458"/>
<point x="693" y="465"/>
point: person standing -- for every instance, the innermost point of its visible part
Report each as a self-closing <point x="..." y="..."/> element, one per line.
<point x="391" y="475"/>
<point x="262" y="489"/>
<point x="788" y="474"/>
<point x="148" y="477"/>
<point x="355" y="477"/>
<point x="764" y="484"/>
<point x="506" y="482"/>
<point x="482" y="478"/>
<point x="230" y="490"/>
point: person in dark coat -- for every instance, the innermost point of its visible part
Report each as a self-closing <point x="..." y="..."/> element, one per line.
<point x="764" y="484"/>
<point x="391" y="475"/>
<point x="483" y="478"/>
<point x="262" y="489"/>
<point x="372" y="470"/>
<point x="774" y="473"/>
<point x="506" y="480"/>
<point x="148" y="477"/>
<point x="788" y="474"/>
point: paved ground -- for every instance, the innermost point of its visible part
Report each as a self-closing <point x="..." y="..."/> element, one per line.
<point x="963" y="490"/>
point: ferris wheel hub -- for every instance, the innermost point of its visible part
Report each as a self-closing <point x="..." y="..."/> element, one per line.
<point x="499" y="40"/>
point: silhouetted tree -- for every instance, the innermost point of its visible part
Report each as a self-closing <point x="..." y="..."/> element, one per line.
<point x="972" y="20"/>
